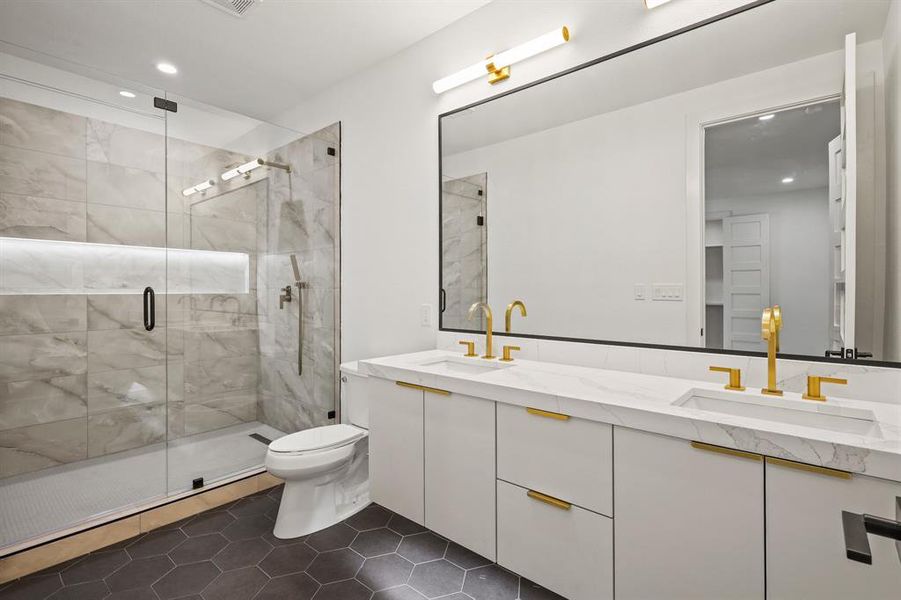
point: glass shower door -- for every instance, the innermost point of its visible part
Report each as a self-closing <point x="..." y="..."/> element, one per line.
<point x="83" y="411"/>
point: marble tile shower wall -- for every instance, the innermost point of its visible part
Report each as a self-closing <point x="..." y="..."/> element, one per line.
<point x="464" y="248"/>
<point x="303" y="221"/>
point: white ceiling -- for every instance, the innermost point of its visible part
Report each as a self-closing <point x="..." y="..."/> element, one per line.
<point x="280" y="53"/>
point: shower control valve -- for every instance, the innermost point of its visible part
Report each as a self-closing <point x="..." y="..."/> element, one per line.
<point x="284" y="297"/>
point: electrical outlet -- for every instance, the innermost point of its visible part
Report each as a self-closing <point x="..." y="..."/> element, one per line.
<point x="641" y="291"/>
<point x="671" y="292"/>
<point x="425" y="315"/>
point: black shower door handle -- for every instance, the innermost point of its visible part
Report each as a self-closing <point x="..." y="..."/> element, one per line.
<point x="149" y="309"/>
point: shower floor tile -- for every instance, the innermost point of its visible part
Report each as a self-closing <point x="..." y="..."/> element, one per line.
<point x="53" y="499"/>
<point x="272" y="569"/>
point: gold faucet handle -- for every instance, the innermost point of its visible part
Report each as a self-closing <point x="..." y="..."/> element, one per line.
<point x="470" y="347"/>
<point x="734" y="378"/>
<point x="507" y="350"/>
<point x="813" y="386"/>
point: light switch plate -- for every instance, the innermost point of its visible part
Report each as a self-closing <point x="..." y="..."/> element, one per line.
<point x="425" y="315"/>
<point x="669" y="292"/>
<point x="641" y="291"/>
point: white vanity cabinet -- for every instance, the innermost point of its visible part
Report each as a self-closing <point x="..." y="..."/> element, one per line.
<point x="805" y="542"/>
<point x="689" y="520"/>
<point x="396" y="448"/>
<point x="460" y="470"/>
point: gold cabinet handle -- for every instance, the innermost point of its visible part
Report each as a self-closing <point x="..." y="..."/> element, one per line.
<point x="726" y="451"/>
<point x="470" y="347"/>
<point x="813" y="386"/>
<point x="734" y="378"/>
<point x="562" y="504"/>
<point x="799" y="466"/>
<point x="546" y="413"/>
<point x="507" y="350"/>
<point x="422" y="388"/>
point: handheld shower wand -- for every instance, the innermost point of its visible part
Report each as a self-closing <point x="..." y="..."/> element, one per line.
<point x="300" y="285"/>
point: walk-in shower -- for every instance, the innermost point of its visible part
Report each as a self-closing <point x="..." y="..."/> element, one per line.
<point x="143" y="253"/>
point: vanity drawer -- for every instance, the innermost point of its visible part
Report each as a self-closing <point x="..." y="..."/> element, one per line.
<point x="567" y="550"/>
<point x="561" y="456"/>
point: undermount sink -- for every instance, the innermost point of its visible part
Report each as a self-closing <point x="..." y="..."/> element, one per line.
<point x="807" y="413"/>
<point x="464" y="366"/>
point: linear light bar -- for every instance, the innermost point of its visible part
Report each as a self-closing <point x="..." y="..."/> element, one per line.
<point x="200" y="187"/>
<point x="497" y="67"/>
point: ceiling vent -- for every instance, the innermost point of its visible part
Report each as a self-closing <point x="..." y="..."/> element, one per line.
<point x="236" y="8"/>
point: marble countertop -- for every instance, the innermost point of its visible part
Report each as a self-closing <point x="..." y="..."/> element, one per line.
<point x="645" y="402"/>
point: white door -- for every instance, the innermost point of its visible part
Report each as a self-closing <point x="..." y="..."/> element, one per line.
<point x="843" y="207"/>
<point x="746" y="280"/>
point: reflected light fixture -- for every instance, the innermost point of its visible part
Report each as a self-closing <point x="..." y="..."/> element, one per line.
<point x="127" y="94"/>
<point x="246" y="168"/>
<point x="167" y="68"/>
<point x="788" y="180"/>
<point x="649" y="4"/>
<point x="766" y="117"/>
<point x="200" y="187"/>
<point x="497" y="66"/>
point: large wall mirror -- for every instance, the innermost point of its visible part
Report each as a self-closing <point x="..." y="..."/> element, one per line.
<point x="667" y="195"/>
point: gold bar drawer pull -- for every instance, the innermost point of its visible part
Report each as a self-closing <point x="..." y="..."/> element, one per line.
<point x="546" y="413"/>
<point x="422" y="388"/>
<point x="809" y="468"/>
<point x="726" y="451"/>
<point x="549" y="500"/>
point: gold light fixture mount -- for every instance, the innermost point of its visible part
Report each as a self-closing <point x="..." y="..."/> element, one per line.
<point x="496" y="75"/>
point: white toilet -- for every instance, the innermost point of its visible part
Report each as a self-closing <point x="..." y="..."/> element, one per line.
<point x="325" y="468"/>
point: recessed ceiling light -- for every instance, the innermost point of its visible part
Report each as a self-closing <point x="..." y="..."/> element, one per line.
<point x="166" y="68"/>
<point x="126" y="94"/>
<point x="766" y="117"/>
<point x="788" y="179"/>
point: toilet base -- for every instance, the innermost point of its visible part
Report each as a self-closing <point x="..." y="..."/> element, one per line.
<point x="307" y="507"/>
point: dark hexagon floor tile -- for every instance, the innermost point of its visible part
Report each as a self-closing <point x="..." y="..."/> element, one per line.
<point x="465" y="558"/>
<point x="270" y="537"/>
<point x="403" y="592"/>
<point x="375" y="542"/>
<point x="299" y="586"/>
<point x="156" y="543"/>
<point x="252" y="505"/>
<point x="371" y="517"/>
<point x="437" y="578"/>
<point x="185" y="579"/>
<point x="209" y="522"/>
<point x="199" y="548"/>
<point x="532" y="591"/>
<point x="95" y="567"/>
<point x="332" y="538"/>
<point x="243" y="553"/>
<point x="385" y="571"/>
<point x="33" y="587"/>
<point x="404" y="526"/>
<point x="422" y="547"/>
<point x="241" y="584"/>
<point x="276" y="492"/>
<point x="144" y="593"/>
<point x="248" y="527"/>
<point x="343" y="590"/>
<point x="139" y="573"/>
<point x="288" y="559"/>
<point x="491" y="583"/>
<point x="334" y="565"/>
<point x="91" y="590"/>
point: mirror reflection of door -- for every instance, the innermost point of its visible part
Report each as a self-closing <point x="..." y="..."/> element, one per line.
<point x="768" y="234"/>
<point x="464" y="252"/>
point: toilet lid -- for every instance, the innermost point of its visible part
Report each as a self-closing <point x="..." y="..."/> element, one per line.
<point x="318" y="438"/>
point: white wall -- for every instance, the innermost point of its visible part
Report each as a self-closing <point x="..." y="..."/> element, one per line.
<point x="390" y="148"/>
<point x="800" y="273"/>
<point x="892" y="57"/>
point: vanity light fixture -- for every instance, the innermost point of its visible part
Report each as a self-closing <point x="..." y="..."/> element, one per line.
<point x="246" y="168"/>
<point x="649" y="4"/>
<point x="127" y="94"/>
<point x="167" y="68"/>
<point x="766" y="117"/>
<point x="200" y="187"/>
<point x="497" y="66"/>
<point x="788" y="180"/>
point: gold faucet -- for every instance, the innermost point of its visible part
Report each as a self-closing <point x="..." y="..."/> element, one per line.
<point x="770" y="325"/>
<point x="509" y="317"/>
<point x="488" y="321"/>
<point x="813" y="386"/>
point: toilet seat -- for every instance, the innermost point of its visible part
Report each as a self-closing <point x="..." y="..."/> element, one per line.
<point x="317" y="439"/>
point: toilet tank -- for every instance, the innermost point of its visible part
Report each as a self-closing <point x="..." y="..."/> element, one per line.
<point x="354" y="397"/>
